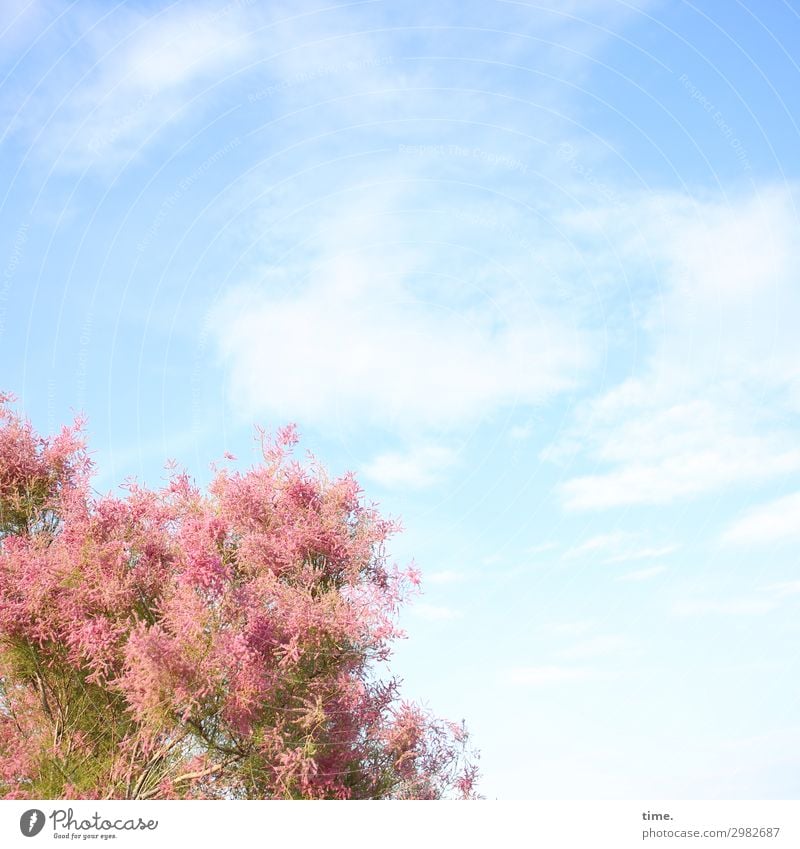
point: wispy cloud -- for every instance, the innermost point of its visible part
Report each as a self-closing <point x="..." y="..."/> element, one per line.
<point x="540" y="548"/>
<point x="125" y="76"/>
<point x="721" y="335"/>
<point x="784" y="588"/>
<point x="618" y="547"/>
<point x="377" y="354"/>
<point x="646" y="553"/>
<point x="435" y="612"/>
<point x="543" y="675"/>
<point x="724" y="607"/>
<point x="642" y="574"/>
<point x="775" y="521"/>
<point x="408" y="299"/>
<point x="521" y="432"/>
<point x="419" y="466"/>
<point x="600" y="543"/>
<point x="445" y="576"/>
<point x="567" y="629"/>
<point x="600" y="645"/>
<point x="767" y="599"/>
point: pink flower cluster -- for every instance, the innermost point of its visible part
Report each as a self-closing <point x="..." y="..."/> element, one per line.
<point x="177" y="643"/>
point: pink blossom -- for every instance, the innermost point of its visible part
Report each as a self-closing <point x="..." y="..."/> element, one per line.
<point x="179" y="643"/>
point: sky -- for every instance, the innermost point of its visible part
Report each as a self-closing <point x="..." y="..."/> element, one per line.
<point x="530" y="269"/>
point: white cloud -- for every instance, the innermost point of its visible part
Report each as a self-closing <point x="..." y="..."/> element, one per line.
<point x="730" y="459"/>
<point x="543" y="675"/>
<point x="435" y="612"/>
<point x="617" y="547"/>
<point x="131" y="75"/>
<point x="599" y="543"/>
<point x="597" y="646"/>
<point x="770" y="598"/>
<point x="777" y="520"/>
<point x="521" y="432"/>
<point x="368" y="331"/>
<point x="721" y="337"/>
<point x="417" y="467"/>
<point x="392" y="309"/>
<point x="541" y="548"/>
<point x="784" y="588"/>
<point x="567" y="629"/>
<point x="642" y="553"/>
<point x="445" y="576"/>
<point x="643" y="574"/>
<point x="387" y="360"/>
<point x="724" y="607"/>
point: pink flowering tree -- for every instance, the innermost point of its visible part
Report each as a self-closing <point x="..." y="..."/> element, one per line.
<point x="177" y="643"/>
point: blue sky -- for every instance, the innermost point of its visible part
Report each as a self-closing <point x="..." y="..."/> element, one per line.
<point x="530" y="269"/>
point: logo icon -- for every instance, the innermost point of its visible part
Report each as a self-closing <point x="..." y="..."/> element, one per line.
<point x="31" y="822"/>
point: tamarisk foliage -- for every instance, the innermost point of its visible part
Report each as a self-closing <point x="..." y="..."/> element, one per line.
<point x="179" y="643"/>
